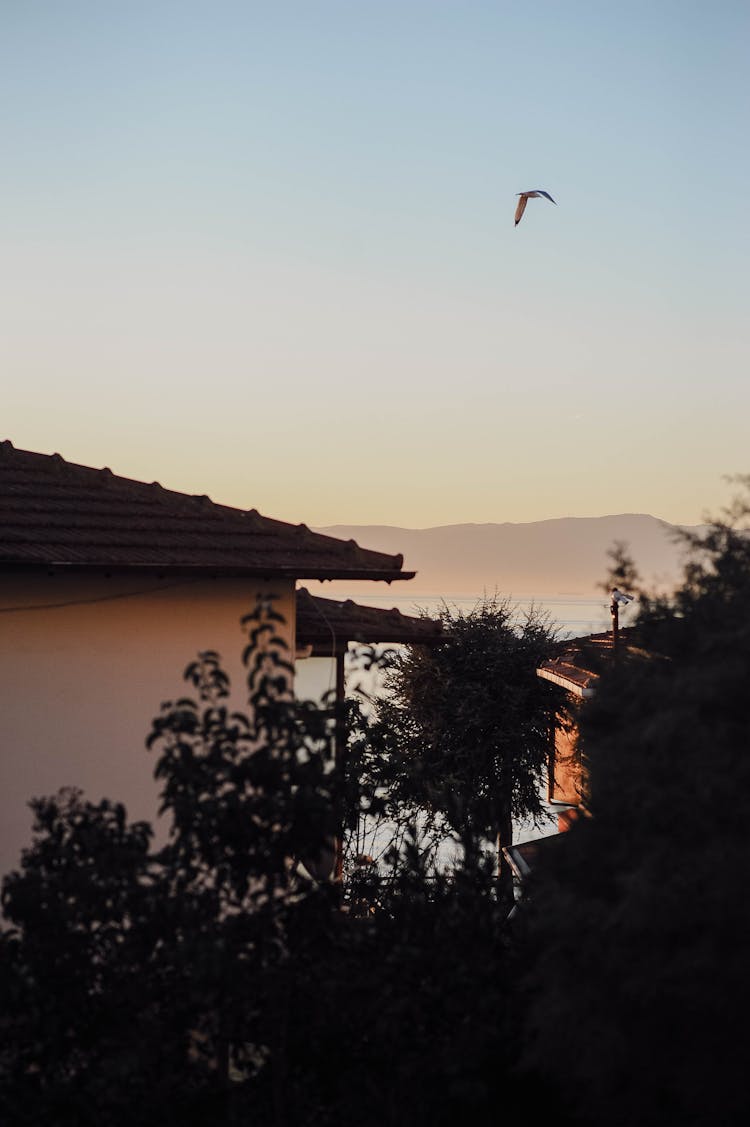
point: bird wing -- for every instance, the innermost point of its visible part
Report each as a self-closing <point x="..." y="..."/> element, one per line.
<point x="520" y="209"/>
<point x="546" y="195"/>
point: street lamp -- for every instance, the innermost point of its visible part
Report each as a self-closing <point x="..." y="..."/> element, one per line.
<point x="619" y="598"/>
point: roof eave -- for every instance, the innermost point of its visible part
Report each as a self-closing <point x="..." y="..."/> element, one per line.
<point x="208" y="570"/>
<point x="356" y="573"/>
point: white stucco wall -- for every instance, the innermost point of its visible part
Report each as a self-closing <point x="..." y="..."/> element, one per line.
<point x="84" y="666"/>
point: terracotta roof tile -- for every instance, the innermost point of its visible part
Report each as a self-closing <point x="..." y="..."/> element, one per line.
<point x="56" y="514"/>
<point x="578" y="663"/>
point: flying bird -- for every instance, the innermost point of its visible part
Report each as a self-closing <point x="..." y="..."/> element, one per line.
<point x="524" y="196"/>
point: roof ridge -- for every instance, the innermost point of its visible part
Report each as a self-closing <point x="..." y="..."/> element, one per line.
<point x="102" y="519"/>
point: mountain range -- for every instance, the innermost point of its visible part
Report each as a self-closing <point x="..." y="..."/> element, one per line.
<point x="563" y="556"/>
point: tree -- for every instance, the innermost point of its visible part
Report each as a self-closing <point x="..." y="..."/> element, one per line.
<point x="638" y="920"/>
<point x="406" y="1014"/>
<point x="464" y="728"/>
<point x="150" y="988"/>
<point x="213" y="980"/>
<point x="82" y="909"/>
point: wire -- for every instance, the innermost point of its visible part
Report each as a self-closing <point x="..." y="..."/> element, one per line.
<point x="98" y="599"/>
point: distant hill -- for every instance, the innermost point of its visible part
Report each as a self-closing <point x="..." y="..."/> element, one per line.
<point x="566" y="556"/>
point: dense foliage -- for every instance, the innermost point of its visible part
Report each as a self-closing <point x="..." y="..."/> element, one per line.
<point x="150" y="988"/>
<point x="640" y="921"/>
<point x="215" y="981"/>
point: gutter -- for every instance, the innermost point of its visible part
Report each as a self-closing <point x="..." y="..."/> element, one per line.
<point x="206" y="571"/>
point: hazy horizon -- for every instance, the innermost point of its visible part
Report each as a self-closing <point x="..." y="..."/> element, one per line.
<point x="561" y="557"/>
<point x="492" y="523"/>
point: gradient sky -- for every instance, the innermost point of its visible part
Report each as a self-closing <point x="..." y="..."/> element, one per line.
<point x="266" y="251"/>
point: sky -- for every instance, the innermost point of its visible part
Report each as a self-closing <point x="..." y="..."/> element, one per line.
<point x="266" y="251"/>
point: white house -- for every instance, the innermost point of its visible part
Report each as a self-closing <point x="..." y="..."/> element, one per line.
<point x="108" y="588"/>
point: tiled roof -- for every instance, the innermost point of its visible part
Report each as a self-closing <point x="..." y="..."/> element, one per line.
<point x="579" y="681"/>
<point x="328" y="624"/>
<point x="54" y="514"/>
<point x="578" y="663"/>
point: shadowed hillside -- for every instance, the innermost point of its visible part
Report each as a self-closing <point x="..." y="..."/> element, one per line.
<point x="553" y="557"/>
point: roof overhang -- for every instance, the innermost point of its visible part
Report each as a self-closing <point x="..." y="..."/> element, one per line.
<point x="207" y="571"/>
<point x="583" y="692"/>
<point x="327" y="626"/>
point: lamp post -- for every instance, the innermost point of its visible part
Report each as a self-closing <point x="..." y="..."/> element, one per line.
<point x="618" y="598"/>
<point x="615" y="612"/>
